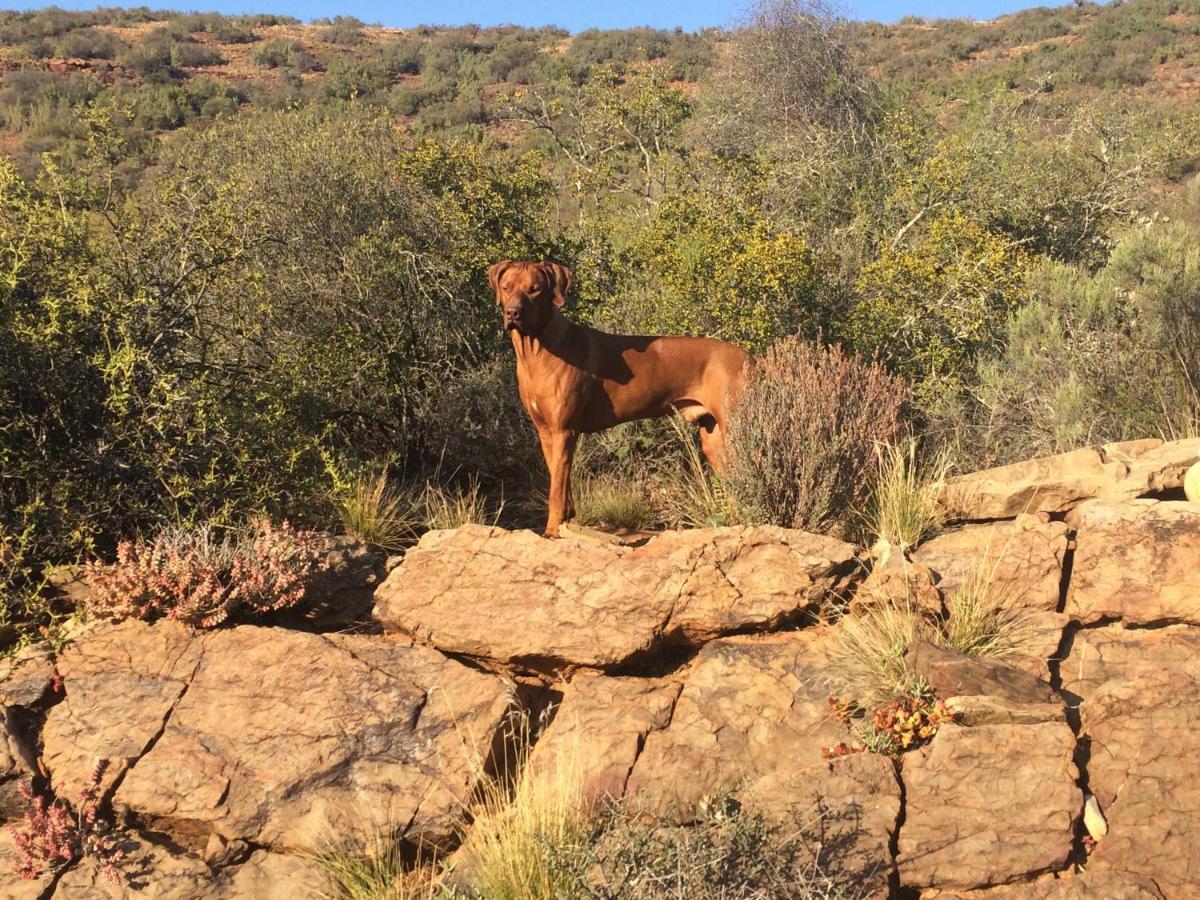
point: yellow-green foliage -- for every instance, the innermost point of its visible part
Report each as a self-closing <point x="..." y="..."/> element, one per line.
<point x="933" y="304"/>
<point x="612" y="501"/>
<point x="905" y="505"/>
<point x="715" y="265"/>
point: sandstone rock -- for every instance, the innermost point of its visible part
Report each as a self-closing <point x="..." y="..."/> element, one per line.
<point x="751" y="706"/>
<point x="1142" y="769"/>
<point x="276" y="876"/>
<point x="517" y="597"/>
<point x="954" y="674"/>
<point x="1094" y="656"/>
<point x="1057" y="483"/>
<point x="988" y="805"/>
<point x="898" y="581"/>
<point x="12" y="885"/>
<point x="278" y="738"/>
<point x="844" y="811"/>
<point x="1066" y="885"/>
<point x="1136" y="561"/>
<point x="600" y="727"/>
<point x="120" y="683"/>
<point x="973" y="710"/>
<point x="1045" y="484"/>
<point x="1020" y="561"/>
<point x="25" y="676"/>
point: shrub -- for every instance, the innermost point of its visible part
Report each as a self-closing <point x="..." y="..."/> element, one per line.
<point x="905" y="505"/>
<point x="191" y="55"/>
<point x="900" y="725"/>
<point x="55" y="835"/>
<point x="90" y="43"/>
<point x="190" y="575"/>
<point x="802" y="437"/>
<point x="276" y="53"/>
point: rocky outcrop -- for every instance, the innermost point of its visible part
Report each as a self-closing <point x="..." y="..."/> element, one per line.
<point x="517" y="598"/>
<point x="1006" y="814"/>
<point x="1119" y="471"/>
<point x="224" y="738"/>
<point x="1138" y="562"/>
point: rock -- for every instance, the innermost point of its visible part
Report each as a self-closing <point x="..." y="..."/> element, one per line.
<point x="1045" y="484"/>
<point x="1019" y="561"/>
<point x="1191" y="483"/>
<point x="12" y="885"/>
<point x="954" y="674"/>
<point x="1094" y="656"/>
<point x="1066" y="885"/>
<point x="554" y="603"/>
<point x="25" y="676"/>
<point x="973" y="710"/>
<point x="120" y="682"/>
<point x="1136" y="561"/>
<point x="149" y="870"/>
<point x="1093" y="817"/>
<point x="276" y="876"/>
<point x="1142" y="770"/>
<point x="898" y="581"/>
<point x="600" y="728"/>
<point x="751" y="706"/>
<point x="844" y="811"/>
<point x="278" y="738"/>
<point x="988" y="805"/>
<point x="1119" y="471"/>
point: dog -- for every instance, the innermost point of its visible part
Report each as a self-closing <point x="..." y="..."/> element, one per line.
<point x="576" y="380"/>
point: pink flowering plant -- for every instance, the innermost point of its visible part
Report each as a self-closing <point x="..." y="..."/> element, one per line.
<point x="52" y="834"/>
<point x="196" y="577"/>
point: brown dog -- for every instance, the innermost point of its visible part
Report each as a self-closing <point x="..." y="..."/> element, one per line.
<point x="574" y="380"/>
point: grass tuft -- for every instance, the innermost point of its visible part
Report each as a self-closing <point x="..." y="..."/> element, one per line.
<point x="457" y="505"/>
<point x="905" y="505"/>
<point x="377" y="512"/>
<point x="613" y="502"/>
<point x="696" y="496"/>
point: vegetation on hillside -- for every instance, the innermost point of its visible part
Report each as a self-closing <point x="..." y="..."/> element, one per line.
<point x="242" y="260"/>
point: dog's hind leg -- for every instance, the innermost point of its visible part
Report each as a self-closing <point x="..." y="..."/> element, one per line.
<point x="712" y="443"/>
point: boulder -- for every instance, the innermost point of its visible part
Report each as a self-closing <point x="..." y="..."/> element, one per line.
<point x="844" y="811"/>
<point x="984" y="691"/>
<point x="520" y="598"/>
<point x="278" y="738"/>
<point x="1142" y="770"/>
<point x="600" y="727"/>
<point x="1093" y="656"/>
<point x="898" y="581"/>
<point x="1136" y="561"/>
<point x="988" y="805"/>
<point x="1020" y="561"/>
<point x="751" y="706"/>
<point x="1118" y="471"/>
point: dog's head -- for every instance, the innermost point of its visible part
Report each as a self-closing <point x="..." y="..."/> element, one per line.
<point x="529" y="292"/>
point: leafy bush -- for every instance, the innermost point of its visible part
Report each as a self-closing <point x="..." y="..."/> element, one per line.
<point x="900" y="725"/>
<point x="90" y="43"/>
<point x="191" y="575"/>
<point x="189" y="55"/>
<point x="276" y="53"/>
<point x="802" y="438"/>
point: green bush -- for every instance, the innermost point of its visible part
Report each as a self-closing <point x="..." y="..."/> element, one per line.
<point x="803" y="437"/>
<point x="1102" y="357"/>
<point x="276" y="53"/>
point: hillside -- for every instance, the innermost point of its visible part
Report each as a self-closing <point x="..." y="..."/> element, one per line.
<point x="180" y="69"/>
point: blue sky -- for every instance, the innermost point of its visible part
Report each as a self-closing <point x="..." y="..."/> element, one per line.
<point x="571" y="14"/>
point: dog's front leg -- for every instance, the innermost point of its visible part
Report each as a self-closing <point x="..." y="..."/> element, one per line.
<point x="559" y="449"/>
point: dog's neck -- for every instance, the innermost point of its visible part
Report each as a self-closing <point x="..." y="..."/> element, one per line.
<point x="552" y="336"/>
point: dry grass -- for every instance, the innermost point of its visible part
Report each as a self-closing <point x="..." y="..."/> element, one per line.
<point x="867" y="662"/>
<point x="521" y="827"/>
<point x="984" y="621"/>
<point x="457" y="505"/>
<point x="905" y="505"/>
<point x="696" y="497"/>
<point x="377" y="512"/>
<point x="613" y="502"/>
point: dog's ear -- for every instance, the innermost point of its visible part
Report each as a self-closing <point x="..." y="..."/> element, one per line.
<point x="563" y="279"/>
<point x="495" y="272"/>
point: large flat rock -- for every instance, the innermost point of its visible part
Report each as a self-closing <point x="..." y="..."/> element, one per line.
<point x="521" y="598"/>
<point x="1117" y="471"/>
<point x="1137" y="561"/>
<point x="988" y="805"/>
<point x="282" y="739"/>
